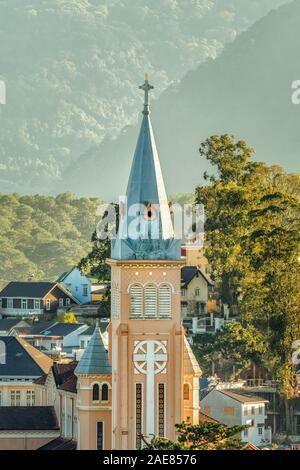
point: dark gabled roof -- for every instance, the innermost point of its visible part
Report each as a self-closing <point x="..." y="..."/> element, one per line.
<point x="27" y="289"/>
<point x="40" y="326"/>
<point x="28" y="418"/>
<point x="41" y="380"/>
<point x="60" y="443"/>
<point x="22" y="359"/>
<point x="189" y="272"/>
<point x="62" y="372"/>
<point x="61" y="329"/>
<point x="70" y="384"/>
<point x="7" y="324"/>
<point x="22" y="330"/>
<point x="95" y="358"/>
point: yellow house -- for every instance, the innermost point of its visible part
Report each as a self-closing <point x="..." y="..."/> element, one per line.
<point x="195" y="290"/>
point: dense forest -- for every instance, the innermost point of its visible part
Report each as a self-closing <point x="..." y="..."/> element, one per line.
<point x="245" y="91"/>
<point x="72" y="68"/>
<point x="41" y="237"/>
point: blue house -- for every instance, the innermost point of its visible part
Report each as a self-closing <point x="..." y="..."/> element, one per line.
<point x="78" y="284"/>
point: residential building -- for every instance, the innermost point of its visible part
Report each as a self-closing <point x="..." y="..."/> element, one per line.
<point x="24" y="428"/>
<point x="195" y="285"/>
<point x="58" y="388"/>
<point x="20" y="365"/>
<point x="27" y="299"/>
<point x="78" y="284"/>
<point x="236" y="407"/>
<point x="56" y="338"/>
<point x="7" y="325"/>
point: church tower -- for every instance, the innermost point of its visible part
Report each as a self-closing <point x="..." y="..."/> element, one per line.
<point x="94" y="396"/>
<point x="147" y="344"/>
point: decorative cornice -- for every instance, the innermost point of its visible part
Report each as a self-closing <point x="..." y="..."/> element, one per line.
<point x="143" y="263"/>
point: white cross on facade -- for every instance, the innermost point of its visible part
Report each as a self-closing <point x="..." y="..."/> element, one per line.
<point x="150" y="358"/>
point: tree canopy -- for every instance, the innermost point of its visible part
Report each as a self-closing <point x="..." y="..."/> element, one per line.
<point x="41" y="237"/>
<point x="253" y="246"/>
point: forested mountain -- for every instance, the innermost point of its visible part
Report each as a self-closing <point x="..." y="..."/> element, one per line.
<point x="43" y="236"/>
<point x="245" y="91"/>
<point x="71" y="68"/>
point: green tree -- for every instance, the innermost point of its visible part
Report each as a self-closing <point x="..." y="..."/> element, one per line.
<point x="206" y="436"/>
<point x="67" y="317"/>
<point x="253" y="245"/>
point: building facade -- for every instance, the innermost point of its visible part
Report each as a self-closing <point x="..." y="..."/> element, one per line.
<point x="26" y="299"/>
<point x="236" y="407"/>
<point x="151" y="374"/>
<point x="78" y="284"/>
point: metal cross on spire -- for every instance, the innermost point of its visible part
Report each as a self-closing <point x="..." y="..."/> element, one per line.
<point x="146" y="87"/>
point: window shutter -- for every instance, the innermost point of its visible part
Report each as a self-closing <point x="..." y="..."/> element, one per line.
<point x="136" y="301"/>
<point x="150" y="301"/>
<point x="165" y="301"/>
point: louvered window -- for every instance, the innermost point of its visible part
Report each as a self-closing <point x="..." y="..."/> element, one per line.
<point x="136" y="301"/>
<point x="150" y="297"/>
<point x="165" y="301"/>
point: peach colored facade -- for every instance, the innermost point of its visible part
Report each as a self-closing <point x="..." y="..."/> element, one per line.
<point x="144" y="397"/>
<point x="91" y="412"/>
<point x="125" y="335"/>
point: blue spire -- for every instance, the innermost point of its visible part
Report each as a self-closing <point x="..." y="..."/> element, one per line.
<point x="95" y="358"/>
<point x="146" y="188"/>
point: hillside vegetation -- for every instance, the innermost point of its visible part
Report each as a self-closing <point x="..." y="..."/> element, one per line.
<point x="72" y="67"/>
<point x="245" y="91"/>
<point x="43" y="236"/>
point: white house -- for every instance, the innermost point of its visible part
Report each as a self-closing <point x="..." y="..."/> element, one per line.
<point x="78" y="284"/>
<point x="235" y="407"/>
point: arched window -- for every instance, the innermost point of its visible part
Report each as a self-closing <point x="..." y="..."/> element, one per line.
<point x="186" y="392"/>
<point x="150" y="299"/>
<point x="95" y="392"/>
<point x="165" y="300"/>
<point x="136" y="300"/>
<point x="104" y="392"/>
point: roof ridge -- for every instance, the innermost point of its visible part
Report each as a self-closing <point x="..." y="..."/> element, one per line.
<point x="35" y="354"/>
